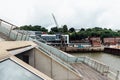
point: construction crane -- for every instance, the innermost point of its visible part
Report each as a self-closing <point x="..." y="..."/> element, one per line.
<point x="60" y="34"/>
<point x="55" y="20"/>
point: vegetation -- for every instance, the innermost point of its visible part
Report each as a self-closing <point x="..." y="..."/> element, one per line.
<point x="33" y="28"/>
<point x="55" y="30"/>
<point x="81" y="34"/>
<point x="94" y="32"/>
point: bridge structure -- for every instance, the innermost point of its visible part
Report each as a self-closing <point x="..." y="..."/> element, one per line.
<point x="87" y="68"/>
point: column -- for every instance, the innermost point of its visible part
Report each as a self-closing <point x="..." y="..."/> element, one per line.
<point x="10" y="31"/>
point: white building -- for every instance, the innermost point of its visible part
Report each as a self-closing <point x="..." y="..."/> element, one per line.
<point x="55" y="38"/>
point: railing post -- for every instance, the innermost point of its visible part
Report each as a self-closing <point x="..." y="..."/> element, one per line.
<point x="22" y="35"/>
<point x="100" y="68"/>
<point x="103" y="70"/>
<point x="17" y="34"/>
<point x="95" y="65"/>
<point x="76" y="60"/>
<point x="107" y="70"/>
<point x="84" y="59"/>
<point x="10" y="31"/>
<point x="26" y="35"/>
<point x="92" y="64"/>
<point x="117" y="76"/>
<point x="0" y="22"/>
<point x="87" y="60"/>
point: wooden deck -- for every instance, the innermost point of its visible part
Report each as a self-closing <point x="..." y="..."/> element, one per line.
<point x="88" y="73"/>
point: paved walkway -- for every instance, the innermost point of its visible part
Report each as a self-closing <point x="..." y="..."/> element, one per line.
<point x="88" y="73"/>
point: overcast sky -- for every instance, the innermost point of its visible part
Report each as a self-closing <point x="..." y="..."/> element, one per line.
<point x="74" y="13"/>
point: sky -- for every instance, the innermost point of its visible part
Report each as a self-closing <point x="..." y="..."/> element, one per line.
<point x="74" y="13"/>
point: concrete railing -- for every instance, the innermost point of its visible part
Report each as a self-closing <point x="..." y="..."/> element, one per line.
<point x="100" y="67"/>
<point x="114" y="74"/>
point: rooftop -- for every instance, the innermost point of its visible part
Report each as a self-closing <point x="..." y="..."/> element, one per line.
<point x="20" y="70"/>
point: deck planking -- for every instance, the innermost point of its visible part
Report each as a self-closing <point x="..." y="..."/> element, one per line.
<point x="88" y="73"/>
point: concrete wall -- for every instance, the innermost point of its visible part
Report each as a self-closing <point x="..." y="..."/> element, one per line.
<point x="52" y="68"/>
<point x="30" y="55"/>
<point x="44" y="63"/>
<point x="31" y="58"/>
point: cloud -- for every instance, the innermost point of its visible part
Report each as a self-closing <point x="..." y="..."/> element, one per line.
<point x="74" y="13"/>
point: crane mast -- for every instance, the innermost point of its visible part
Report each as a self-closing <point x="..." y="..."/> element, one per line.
<point x="60" y="34"/>
<point x="55" y="20"/>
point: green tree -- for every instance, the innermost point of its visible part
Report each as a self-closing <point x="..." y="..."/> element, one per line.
<point x="33" y="28"/>
<point x="54" y="29"/>
<point x="82" y="29"/>
<point x="71" y="30"/>
<point x="65" y="29"/>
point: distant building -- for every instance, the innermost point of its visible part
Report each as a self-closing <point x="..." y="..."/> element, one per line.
<point x="111" y="41"/>
<point x="51" y="39"/>
<point x="95" y="41"/>
<point x="118" y="40"/>
<point x="55" y="39"/>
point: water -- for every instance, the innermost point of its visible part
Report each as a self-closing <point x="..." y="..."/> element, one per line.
<point x="111" y="60"/>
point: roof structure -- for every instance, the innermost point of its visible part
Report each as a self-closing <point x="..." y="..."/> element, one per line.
<point x="12" y="68"/>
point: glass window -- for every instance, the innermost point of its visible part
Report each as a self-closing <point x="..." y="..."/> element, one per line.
<point x="9" y="70"/>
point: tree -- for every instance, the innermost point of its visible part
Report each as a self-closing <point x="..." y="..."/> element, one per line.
<point x="71" y="30"/>
<point x="97" y="29"/>
<point x="44" y="29"/>
<point x="54" y="29"/>
<point x="82" y="29"/>
<point x="89" y="29"/>
<point x="65" y="29"/>
<point x="60" y="30"/>
<point x="33" y="28"/>
<point x="36" y="28"/>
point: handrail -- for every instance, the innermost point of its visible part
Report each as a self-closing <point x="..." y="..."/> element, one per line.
<point x="8" y="23"/>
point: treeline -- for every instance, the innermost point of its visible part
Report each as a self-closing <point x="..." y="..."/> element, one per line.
<point x="33" y="28"/>
<point x="81" y="34"/>
<point x="94" y="32"/>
